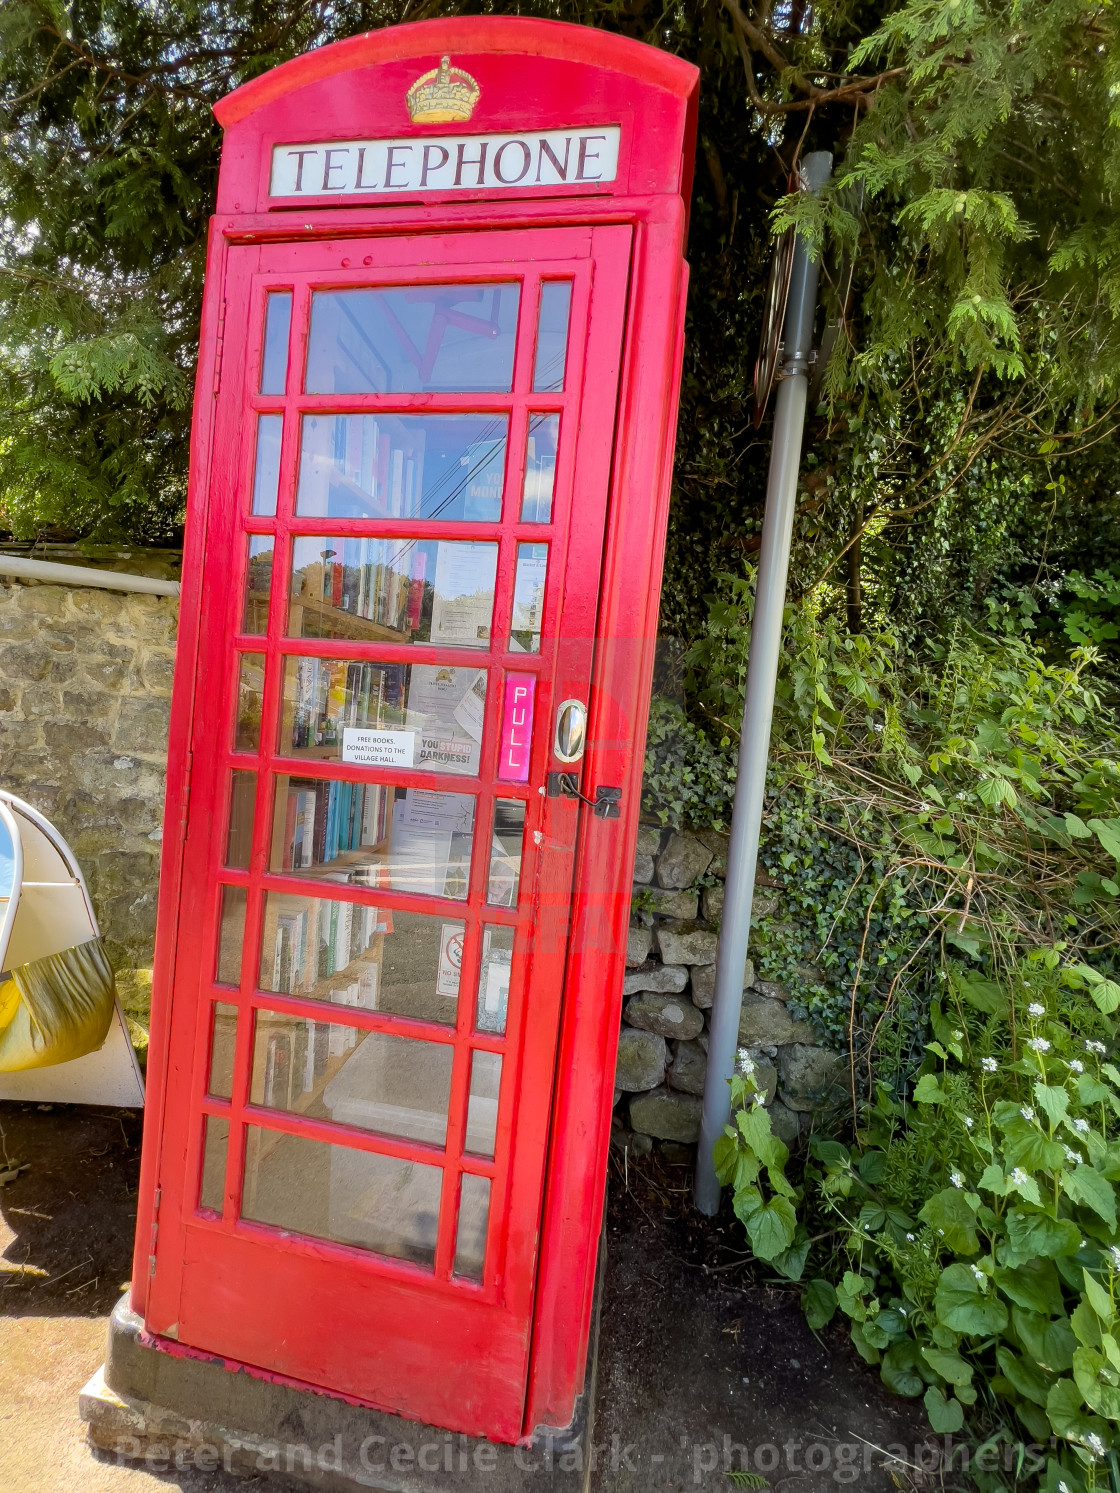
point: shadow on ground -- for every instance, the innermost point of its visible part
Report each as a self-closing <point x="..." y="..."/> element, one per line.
<point x="704" y="1368"/>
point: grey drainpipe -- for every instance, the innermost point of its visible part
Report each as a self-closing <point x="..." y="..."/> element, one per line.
<point x="82" y="575"/>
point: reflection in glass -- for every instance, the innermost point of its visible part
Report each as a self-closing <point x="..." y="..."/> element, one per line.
<point x="250" y="701"/>
<point x="231" y="935"/>
<point x="493" y="980"/>
<point x="470" y="1236"/>
<point x="403" y="466"/>
<point x="374" y="1081"/>
<point x="505" y="852"/>
<point x="277" y="321"/>
<point x="393" y="590"/>
<point x="242" y="805"/>
<point x="540" y="469"/>
<point x="258" y="581"/>
<point x="426" y="716"/>
<point x="371" y="835"/>
<point x="215" y="1138"/>
<point x="350" y="1197"/>
<point x="266" y="471"/>
<point x="482" y="1105"/>
<point x="412" y="339"/>
<point x="552" y="335"/>
<point x="223" y="1035"/>
<point x="528" y="598"/>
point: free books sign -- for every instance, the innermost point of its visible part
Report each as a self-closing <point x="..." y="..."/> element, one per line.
<point x="348" y="168"/>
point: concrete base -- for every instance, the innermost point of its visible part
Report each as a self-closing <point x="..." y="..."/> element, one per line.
<point x="172" y="1413"/>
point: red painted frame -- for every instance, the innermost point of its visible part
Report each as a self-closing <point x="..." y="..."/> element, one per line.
<point x="582" y="76"/>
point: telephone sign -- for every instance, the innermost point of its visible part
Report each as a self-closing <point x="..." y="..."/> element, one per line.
<point x="433" y="435"/>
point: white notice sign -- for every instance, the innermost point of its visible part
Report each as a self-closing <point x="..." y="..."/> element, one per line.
<point x="378" y="748"/>
<point x="463" y="163"/>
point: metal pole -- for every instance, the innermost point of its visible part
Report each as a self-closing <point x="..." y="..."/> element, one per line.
<point x="758" y="706"/>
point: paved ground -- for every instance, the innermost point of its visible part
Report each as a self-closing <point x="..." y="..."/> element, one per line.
<point x="702" y="1370"/>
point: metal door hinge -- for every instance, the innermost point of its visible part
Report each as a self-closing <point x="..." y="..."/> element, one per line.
<point x="155" y="1230"/>
<point x="219" y="345"/>
<point x="605" y="804"/>
<point x="184" y="813"/>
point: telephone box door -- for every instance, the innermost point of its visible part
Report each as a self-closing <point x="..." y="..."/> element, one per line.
<point x="406" y="514"/>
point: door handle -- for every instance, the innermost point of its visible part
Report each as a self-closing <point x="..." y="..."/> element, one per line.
<point x="569" y="739"/>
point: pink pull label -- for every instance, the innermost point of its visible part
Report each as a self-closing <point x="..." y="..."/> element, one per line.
<point x="517" y="728"/>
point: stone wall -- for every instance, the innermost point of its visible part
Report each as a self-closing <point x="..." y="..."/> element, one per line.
<point x="668" y="992"/>
<point x="85" y="686"/>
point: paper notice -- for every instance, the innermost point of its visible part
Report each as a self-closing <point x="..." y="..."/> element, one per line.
<point x="450" y="959"/>
<point x="378" y="748"/>
<point x="471" y="709"/>
<point x="464" y="593"/>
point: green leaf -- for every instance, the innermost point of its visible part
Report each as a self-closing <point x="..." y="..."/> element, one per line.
<point x="1028" y="1380"/>
<point x="791" y="1262"/>
<point x="1107" y="832"/>
<point x="1065" y="1409"/>
<point x="1034" y="1285"/>
<point x="771" y="1227"/>
<point x="945" y="1416"/>
<point x="961" y="1304"/>
<point x="902" y="1368"/>
<point x="866" y="1350"/>
<point x="819" y="1303"/>
<point x="954" y="1216"/>
<point x="1077" y="829"/>
<point x="1098" y="1298"/>
<point x="1034" y="1235"/>
<point x="1053" y="1101"/>
<point x="951" y="1366"/>
<point x="1084" y="1185"/>
<point x="1097" y="1382"/>
<point x="927" y="1090"/>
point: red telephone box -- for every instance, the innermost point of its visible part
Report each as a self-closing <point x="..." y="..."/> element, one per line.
<point x="441" y="343"/>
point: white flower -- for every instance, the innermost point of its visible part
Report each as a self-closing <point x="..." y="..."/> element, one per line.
<point x="1063" y="1487"/>
<point x="909" y="1238"/>
<point x="957" y="1179"/>
<point x="1115" y="1254"/>
<point x="989" y="1065"/>
<point x="1073" y="1157"/>
<point x="745" y="1062"/>
<point x="1036" y="1010"/>
<point x="958" y="1036"/>
<point x="1027" y="1112"/>
<point x="1095" y="1444"/>
<point x="981" y="1279"/>
<point x="969" y="1122"/>
<point x="1081" y="1126"/>
<point x="1039" y="1044"/>
<point x="1076" y="1066"/>
<point x="1019" y="1176"/>
<point x="1099" y="1049"/>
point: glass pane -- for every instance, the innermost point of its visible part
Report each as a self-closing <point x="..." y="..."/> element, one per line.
<point x="231" y="935"/>
<point x="242" y="806"/>
<point x="552" y="335"/>
<point x="250" y="701"/>
<point x="403" y="466"/>
<point x="470" y="1237"/>
<point x="505" y="852"/>
<point x="403" y="963"/>
<point x="482" y="1105"/>
<point x="350" y="1197"/>
<point x="277" y="321"/>
<point x="369" y="1079"/>
<point x="493" y="980"/>
<point x="540" y="469"/>
<point x="411" y="340"/>
<point x="393" y="590"/>
<point x="223" y="1035"/>
<point x="215" y="1137"/>
<point x="258" y="582"/>
<point x="367" y="834"/>
<point x="528" y="598"/>
<point x="266" y="473"/>
<point x="425" y="716"/>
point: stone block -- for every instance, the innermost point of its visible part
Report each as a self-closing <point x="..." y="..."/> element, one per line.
<point x="687" y="943"/>
<point x="649" y="840"/>
<point x="668" y="1015"/>
<point x="683" y="906"/>
<point x="26" y="661"/>
<point x="717" y="842"/>
<point x="812" y="1077"/>
<point x="704" y="983"/>
<point x="643" y="870"/>
<point x="683" y="861"/>
<point x="768" y="1023"/>
<point x="639" y="941"/>
<point x="156" y="671"/>
<point x="47" y="600"/>
<point x="666" y="979"/>
<point x="105" y="673"/>
<point x="78" y="733"/>
<point x="100" y="606"/>
<point x="142" y="726"/>
<point x="784" y="1123"/>
<point x="666" y="1115"/>
<point x="763" y="907"/>
<point x="686" y="1071"/>
<point x="711" y="902"/>
<point x="642" y="1058"/>
<point x="9" y="699"/>
<point x="772" y="990"/>
<point x="41" y="703"/>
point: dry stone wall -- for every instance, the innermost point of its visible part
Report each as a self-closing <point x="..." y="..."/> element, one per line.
<point x="85" y="693"/>
<point x="667" y="999"/>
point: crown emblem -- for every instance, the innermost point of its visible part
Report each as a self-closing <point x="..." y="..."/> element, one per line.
<point x="444" y="94"/>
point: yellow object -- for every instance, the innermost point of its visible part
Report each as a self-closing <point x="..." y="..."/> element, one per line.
<point x="61" y="1008"/>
